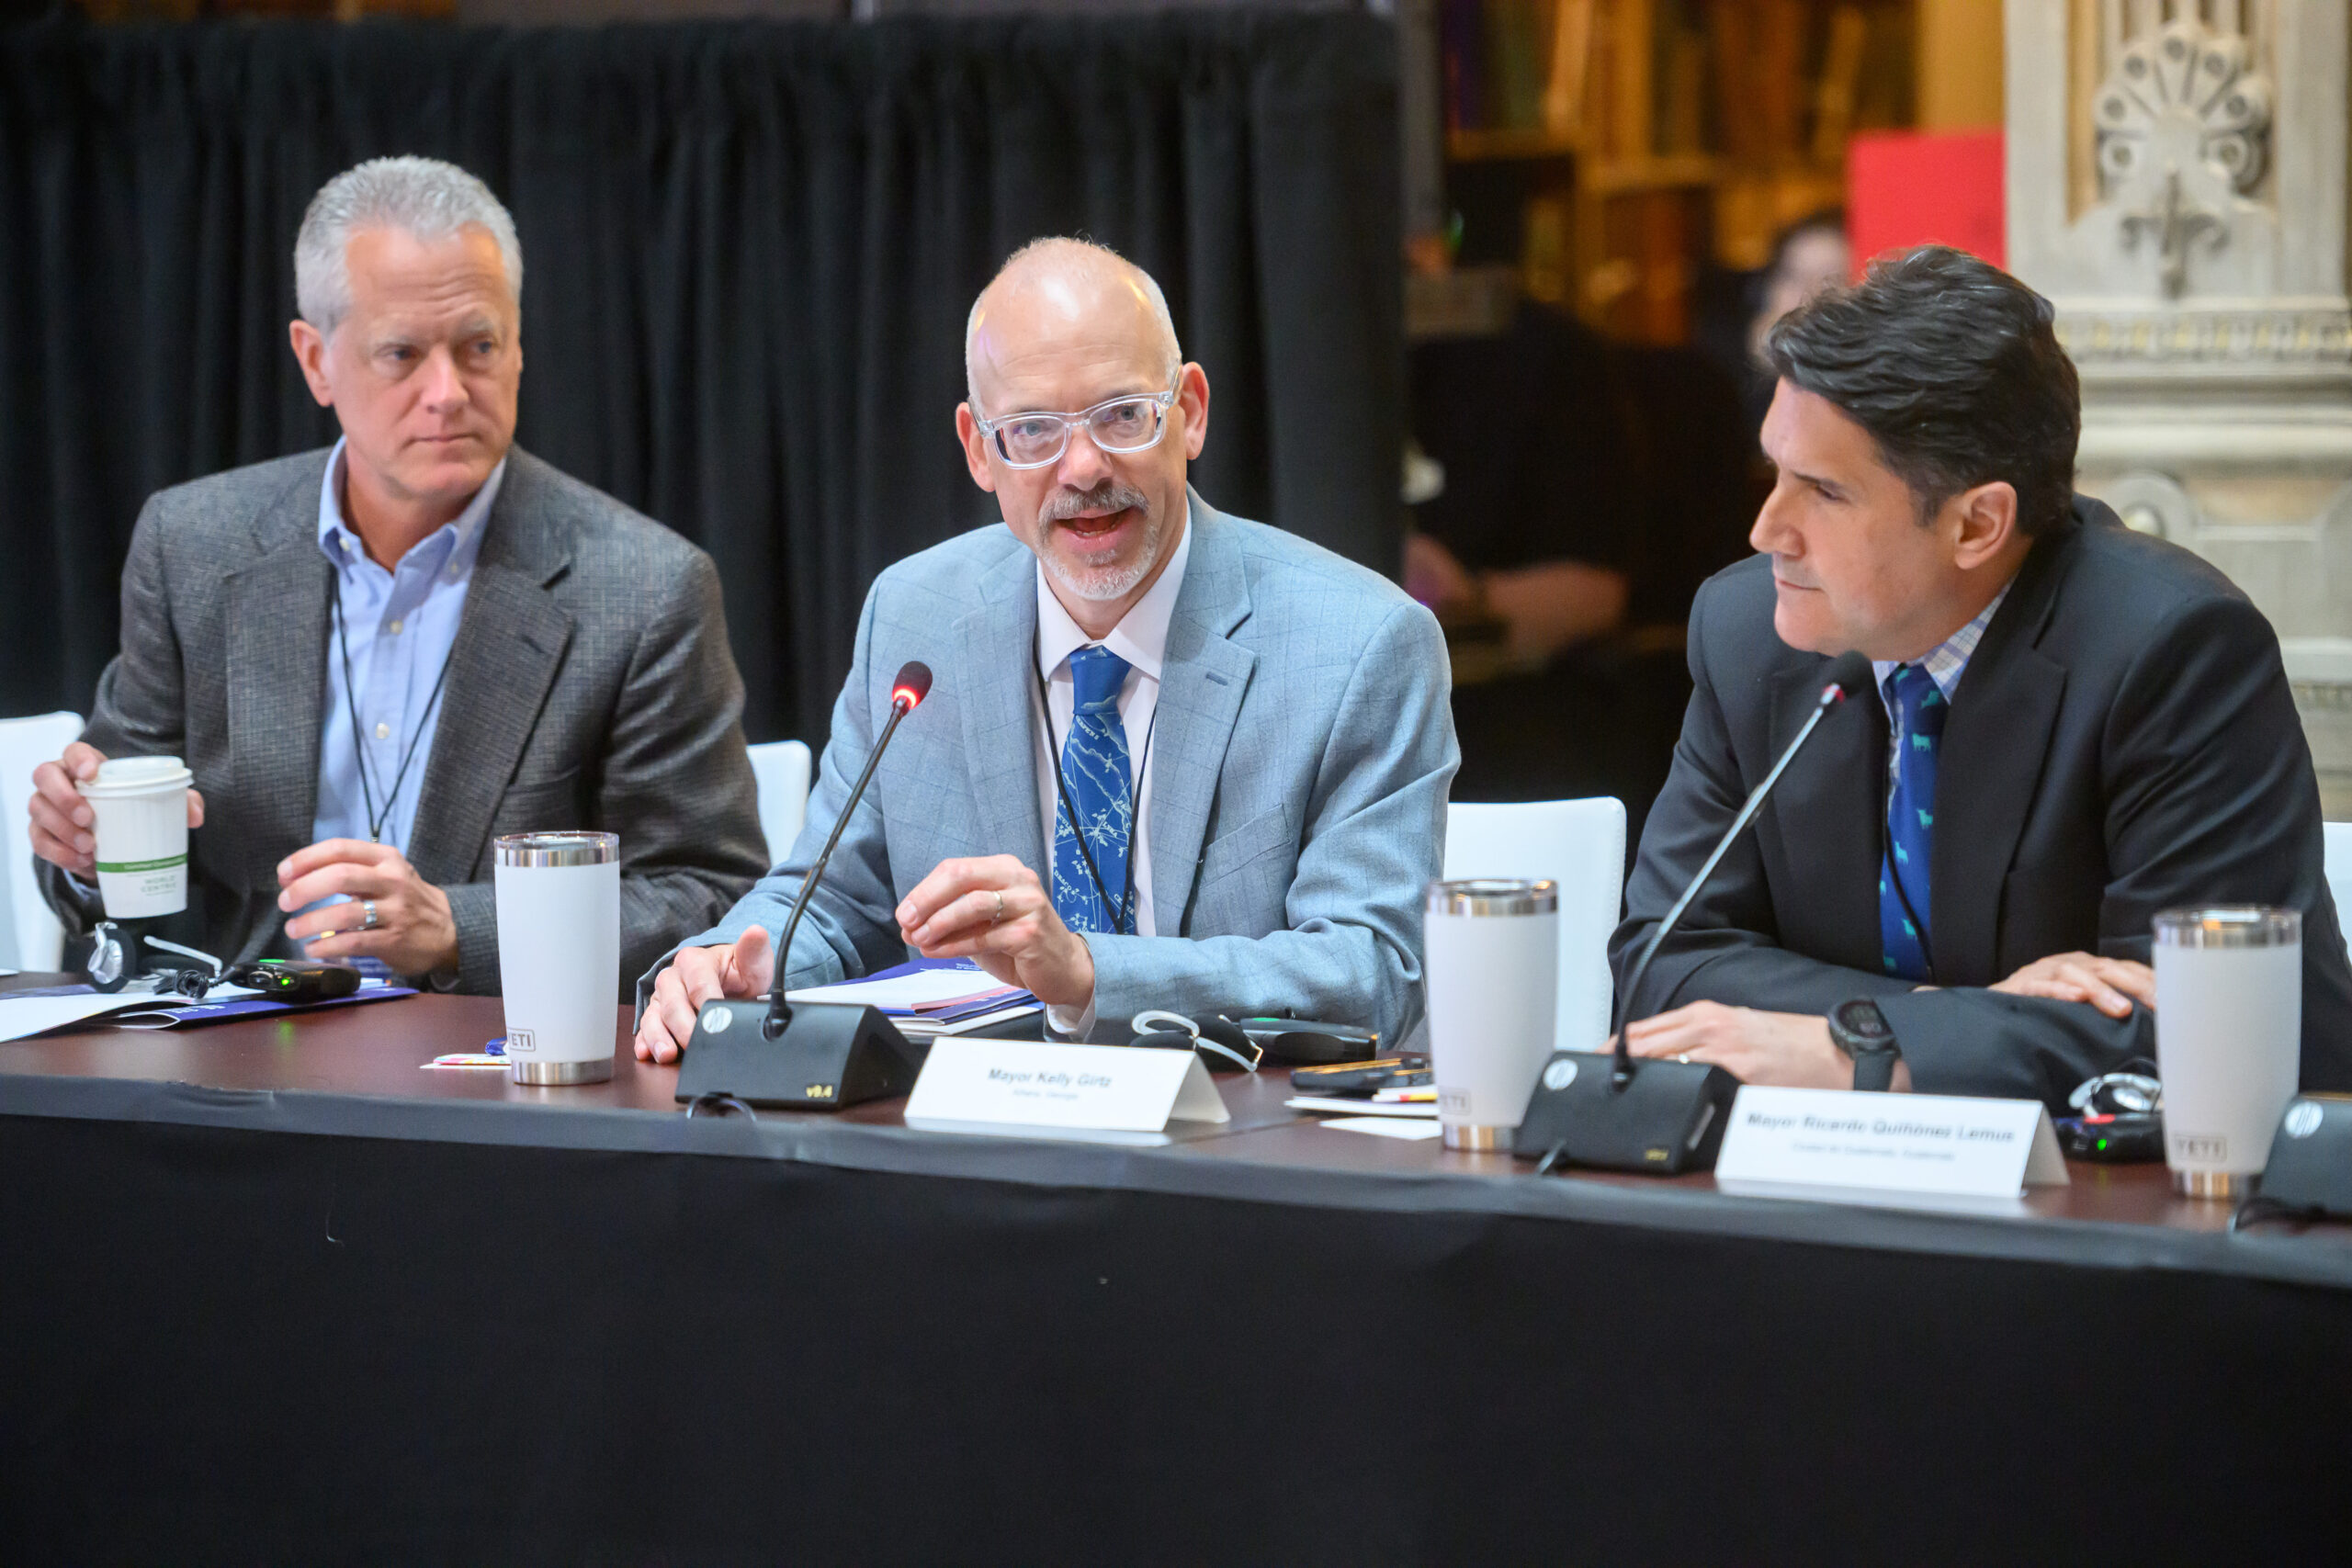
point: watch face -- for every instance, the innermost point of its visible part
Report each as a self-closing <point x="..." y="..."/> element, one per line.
<point x="1862" y="1022"/>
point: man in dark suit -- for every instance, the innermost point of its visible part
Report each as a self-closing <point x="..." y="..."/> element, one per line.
<point x="379" y="657"/>
<point x="2075" y="728"/>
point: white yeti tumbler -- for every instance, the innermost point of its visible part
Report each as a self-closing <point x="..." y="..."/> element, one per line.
<point x="2229" y="1040"/>
<point x="1490" y="955"/>
<point x="559" y="954"/>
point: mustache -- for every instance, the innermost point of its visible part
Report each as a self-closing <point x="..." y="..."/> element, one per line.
<point x="1110" y="495"/>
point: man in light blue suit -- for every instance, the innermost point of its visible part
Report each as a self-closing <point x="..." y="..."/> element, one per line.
<point x="1170" y="759"/>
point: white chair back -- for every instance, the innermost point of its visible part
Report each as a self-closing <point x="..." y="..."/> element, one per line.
<point x="783" y="768"/>
<point x="1580" y="845"/>
<point x="2339" y="871"/>
<point x="30" y="937"/>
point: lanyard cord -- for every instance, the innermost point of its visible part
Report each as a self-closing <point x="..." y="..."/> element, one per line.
<point x="359" y="746"/>
<point x="1126" y="906"/>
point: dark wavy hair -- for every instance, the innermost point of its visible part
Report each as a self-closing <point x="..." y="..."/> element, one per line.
<point x="1953" y="367"/>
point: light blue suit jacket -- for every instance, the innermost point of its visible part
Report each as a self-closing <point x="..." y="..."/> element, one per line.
<point x="1303" y="746"/>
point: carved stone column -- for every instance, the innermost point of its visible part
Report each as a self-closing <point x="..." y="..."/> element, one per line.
<point x="2176" y="184"/>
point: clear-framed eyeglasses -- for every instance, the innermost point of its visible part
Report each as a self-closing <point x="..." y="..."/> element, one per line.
<point x="1118" y="425"/>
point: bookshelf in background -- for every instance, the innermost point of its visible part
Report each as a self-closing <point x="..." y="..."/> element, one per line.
<point x="1617" y="146"/>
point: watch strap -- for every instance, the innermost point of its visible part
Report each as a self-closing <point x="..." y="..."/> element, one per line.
<point x="1874" y="1070"/>
<point x="1873" y="1056"/>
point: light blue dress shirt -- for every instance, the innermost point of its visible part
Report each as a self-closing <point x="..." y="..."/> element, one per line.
<point x="399" y="627"/>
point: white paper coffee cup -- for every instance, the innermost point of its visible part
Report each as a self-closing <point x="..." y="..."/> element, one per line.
<point x="140" y="804"/>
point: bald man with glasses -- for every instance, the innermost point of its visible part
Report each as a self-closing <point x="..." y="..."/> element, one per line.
<point x="1171" y="758"/>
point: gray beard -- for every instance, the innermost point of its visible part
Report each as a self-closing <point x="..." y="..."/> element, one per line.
<point x="1103" y="584"/>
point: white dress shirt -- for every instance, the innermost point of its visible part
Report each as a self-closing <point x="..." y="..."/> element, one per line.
<point x="1140" y="638"/>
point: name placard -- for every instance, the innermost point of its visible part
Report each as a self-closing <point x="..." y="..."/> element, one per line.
<point x="989" y="1085"/>
<point x="1897" y="1143"/>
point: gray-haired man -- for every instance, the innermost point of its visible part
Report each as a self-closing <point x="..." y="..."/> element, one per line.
<point x="379" y="657"/>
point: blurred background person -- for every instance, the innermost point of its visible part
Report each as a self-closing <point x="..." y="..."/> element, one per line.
<point x="1568" y="495"/>
<point x="1738" y="309"/>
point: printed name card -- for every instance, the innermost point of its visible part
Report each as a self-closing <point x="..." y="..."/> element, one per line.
<point x="992" y="1084"/>
<point x="1897" y="1143"/>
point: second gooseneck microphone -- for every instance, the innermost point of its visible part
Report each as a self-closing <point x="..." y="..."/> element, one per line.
<point x="907" y="692"/>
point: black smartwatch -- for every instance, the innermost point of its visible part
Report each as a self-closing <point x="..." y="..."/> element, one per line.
<point x="1862" y="1032"/>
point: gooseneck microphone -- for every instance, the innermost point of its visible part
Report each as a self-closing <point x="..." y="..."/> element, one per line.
<point x="1847" y="674"/>
<point x="1620" y="1113"/>
<point x="818" y="1055"/>
<point x="907" y="693"/>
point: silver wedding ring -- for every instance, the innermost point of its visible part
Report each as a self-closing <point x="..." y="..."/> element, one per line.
<point x="1684" y="1058"/>
<point x="997" y="918"/>
<point x="368" y="921"/>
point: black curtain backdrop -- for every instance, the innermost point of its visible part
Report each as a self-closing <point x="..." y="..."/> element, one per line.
<point x="750" y="250"/>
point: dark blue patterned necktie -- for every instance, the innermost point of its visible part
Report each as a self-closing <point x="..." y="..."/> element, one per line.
<point x="1911" y="694"/>
<point x="1100" y="792"/>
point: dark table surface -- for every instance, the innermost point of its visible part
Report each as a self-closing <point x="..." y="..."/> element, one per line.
<point x="358" y="1069"/>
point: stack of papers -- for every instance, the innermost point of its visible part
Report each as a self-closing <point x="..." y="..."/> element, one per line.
<point x="930" y="996"/>
<point x="27" y="1013"/>
<point x="225" y="1003"/>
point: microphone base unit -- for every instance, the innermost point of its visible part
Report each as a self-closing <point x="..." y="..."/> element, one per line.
<point x="830" y="1054"/>
<point x="2310" y="1173"/>
<point x="1667" y="1120"/>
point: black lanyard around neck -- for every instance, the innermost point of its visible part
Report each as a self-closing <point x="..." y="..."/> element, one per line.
<point x="378" y="821"/>
<point x="1120" y="911"/>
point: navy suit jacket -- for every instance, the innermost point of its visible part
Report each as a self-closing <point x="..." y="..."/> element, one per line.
<point x="2123" y="742"/>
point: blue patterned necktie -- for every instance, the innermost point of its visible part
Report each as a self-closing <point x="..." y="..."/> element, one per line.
<point x="1911" y="694"/>
<point x="1099" y="791"/>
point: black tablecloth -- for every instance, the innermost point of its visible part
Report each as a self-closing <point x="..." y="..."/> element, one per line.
<point x="303" y="1326"/>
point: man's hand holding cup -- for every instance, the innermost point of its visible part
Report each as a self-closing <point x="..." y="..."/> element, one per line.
<point x="64" y="824"/>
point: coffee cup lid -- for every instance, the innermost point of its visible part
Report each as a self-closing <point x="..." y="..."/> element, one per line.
<point x="136" y="775"/>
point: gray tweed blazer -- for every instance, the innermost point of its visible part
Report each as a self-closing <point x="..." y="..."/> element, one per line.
<point x="590" y="686"/>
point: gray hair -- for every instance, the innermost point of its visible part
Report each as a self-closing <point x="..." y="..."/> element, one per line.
<point x="1077" y="254"/>
<point x="423" y="196"/>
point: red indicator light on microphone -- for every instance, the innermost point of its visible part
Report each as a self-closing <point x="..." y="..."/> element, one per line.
<point x="1849" y="673"/>
<point x="912" y="685"/>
